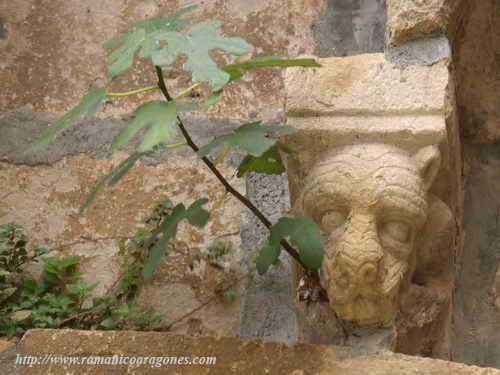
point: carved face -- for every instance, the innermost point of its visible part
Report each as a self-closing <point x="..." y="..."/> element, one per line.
<point x="370" y="202"/>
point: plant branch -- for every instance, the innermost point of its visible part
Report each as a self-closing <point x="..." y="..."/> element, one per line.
<point x="133" y="92"/>
<point x="222" y="156"/>
<point x="219" y="203"/>
<point x="85" y="240"/>
<point x="176" y="145"/>
<point x="83" y="313"/>
<point x="264" y="220"/>
<point x="186" y="92"/>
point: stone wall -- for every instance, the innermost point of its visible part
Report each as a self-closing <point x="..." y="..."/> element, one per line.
<point x="51" y="53"/>
<point x="476" y="56"/>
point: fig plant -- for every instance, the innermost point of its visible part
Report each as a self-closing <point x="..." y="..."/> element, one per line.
<point x="164" y="40"/>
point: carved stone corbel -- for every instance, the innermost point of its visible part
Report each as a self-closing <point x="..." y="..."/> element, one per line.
<point x="388" y="241"/>
<point x="370" y="152"/>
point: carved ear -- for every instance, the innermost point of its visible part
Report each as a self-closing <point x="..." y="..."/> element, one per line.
<point x="428" y="161"/>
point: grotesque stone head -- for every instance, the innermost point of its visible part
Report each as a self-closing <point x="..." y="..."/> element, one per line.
<point x="370" y="201"/>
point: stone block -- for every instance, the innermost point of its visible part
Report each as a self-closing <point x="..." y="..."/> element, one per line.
<point x="413" y="19"/>
<point x="232" y="355"/>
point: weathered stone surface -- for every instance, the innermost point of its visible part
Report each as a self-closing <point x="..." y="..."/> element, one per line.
<point x="496" y="289"/>
<point x="365" y="84"/>
<point x="426" y="51"/>
<point x="232" y="356"/>
<point x="5" y="344"/>
<point x="476" y="328"/>
<point x="268" y="308"/>
<point x="349" y="27"/>
<point x="303" y="19"/>
<point x="476" y="48"/>
<point x="53" y="53"/>
<point x="45" y="200"/>
<point x="413" y="19"/>
<point x="477" y="56"/>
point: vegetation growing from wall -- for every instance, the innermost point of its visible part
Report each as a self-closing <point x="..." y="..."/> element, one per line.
<point x="59" y="298"/>
<point x="163" y="40"/>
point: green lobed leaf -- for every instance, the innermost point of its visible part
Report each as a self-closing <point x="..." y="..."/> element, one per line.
<point x="196" y="44"/>
<point x="195" y="214"/>
<point x="169" y="229"/>
<point x="161" y="116"/>
<point x="250" y="138"/>
<point x="214" y="98"/>
<point x="86" y="108"/>
<point x="111" y="178"/>
<point x="237" y="70"/>
<point x="269" y="162"/>
<point x="267" y="255"/>
<point x="109" y="323"/>
<point x="123" y="57"/>
<point x="175" y="22"/>
<point x="123" y="170"/>
<point x="286" y="148"/>
<point x="144" y="39"/>
<point x="74" y="288"/>
<point x="304" y="234"/>
<point x="70" y="261"/>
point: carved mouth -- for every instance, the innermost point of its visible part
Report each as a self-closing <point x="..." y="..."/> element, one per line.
<point x="386" y="288"/>
<point x="372" y="305"/>
<point x="367" y="310"/>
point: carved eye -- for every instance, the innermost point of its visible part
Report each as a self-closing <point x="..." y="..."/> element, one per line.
<point x="397" y="231"/>
<point x="332" y="220"/>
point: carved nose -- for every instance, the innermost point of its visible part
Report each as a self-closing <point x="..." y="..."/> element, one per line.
<point x="367" y="274"/>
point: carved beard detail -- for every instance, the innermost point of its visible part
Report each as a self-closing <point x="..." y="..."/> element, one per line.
<point x="396" y="271"/>
<point x="370" y="201"/>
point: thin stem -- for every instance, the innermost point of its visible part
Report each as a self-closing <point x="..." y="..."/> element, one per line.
<point x="222" y="156"/>
<point x="176" y="145"/>
<point x="133" y="92"/>
<point x="219" y="202"/>
<point x="289" y="249"/>
<point x="85" y="240"/>
<point x="186" y="92"/>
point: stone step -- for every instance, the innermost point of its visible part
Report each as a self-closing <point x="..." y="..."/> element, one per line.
<point x="230" y="356"/>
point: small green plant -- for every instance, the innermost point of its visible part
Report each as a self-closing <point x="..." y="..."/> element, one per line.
<point x="164" y="40"/>
<point x="13" y="249"/>
<point x="60" y="298"/>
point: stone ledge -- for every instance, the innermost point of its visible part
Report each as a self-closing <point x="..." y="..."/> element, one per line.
<point x="368" y="97"/>
<point x="366" y="84"/>
<point x="234" y="356"/>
